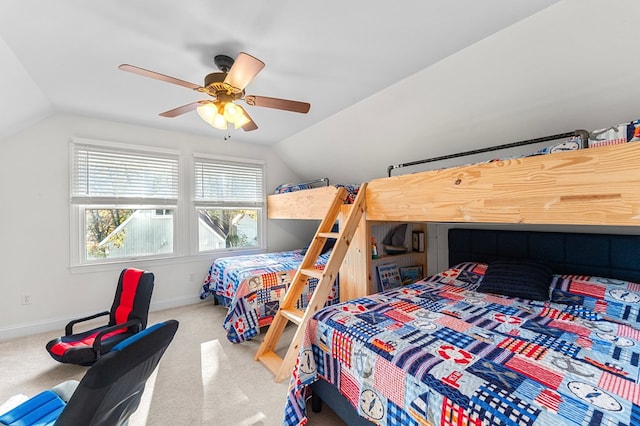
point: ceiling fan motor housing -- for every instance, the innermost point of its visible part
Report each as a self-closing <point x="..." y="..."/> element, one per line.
<point x="223" y="62"/>
<point x="214" y="85"/>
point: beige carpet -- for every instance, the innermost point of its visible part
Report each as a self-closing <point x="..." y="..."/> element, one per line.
<point x="202" y="379"/>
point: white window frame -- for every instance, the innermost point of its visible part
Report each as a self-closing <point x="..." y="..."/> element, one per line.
<point x="79" y="203"/>
<point x="259" y="205"/>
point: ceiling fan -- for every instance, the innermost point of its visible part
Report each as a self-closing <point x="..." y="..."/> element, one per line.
<point x="225" y="87"/>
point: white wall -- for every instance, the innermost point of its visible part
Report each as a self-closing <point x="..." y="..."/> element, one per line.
<point x="34" y="224"/>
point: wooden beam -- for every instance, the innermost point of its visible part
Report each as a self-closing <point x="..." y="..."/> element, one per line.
<point x="590" y="186"/>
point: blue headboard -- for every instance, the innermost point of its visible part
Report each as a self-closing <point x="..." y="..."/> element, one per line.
<point x="604" y="255"/>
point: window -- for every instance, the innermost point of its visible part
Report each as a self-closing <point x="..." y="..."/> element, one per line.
<point x="123" y="201"/>
<point x="229" y="202"/>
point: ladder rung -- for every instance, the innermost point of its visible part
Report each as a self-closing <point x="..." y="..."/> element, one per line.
<point x="313" y="273"/>
<point x="293" y="315"/>
<point x="272" y="361"/>
<point x="334" y="235"/>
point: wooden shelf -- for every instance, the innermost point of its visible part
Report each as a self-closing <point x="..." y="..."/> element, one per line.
<point x="411" y="258"/>
<point x="358" y="275"/>
<point x="391" y="256"/>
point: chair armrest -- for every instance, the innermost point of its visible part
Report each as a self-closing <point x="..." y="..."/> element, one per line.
<point x="68" y="330"/>
<point x="97" y="343"/>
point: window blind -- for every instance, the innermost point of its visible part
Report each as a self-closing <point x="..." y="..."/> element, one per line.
<point x="104" y="172"/>
<point x="223" y="182"/>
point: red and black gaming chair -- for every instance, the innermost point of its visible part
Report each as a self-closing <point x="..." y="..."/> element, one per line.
<point x="128" y="316"/>
<point x="108" y="393"/>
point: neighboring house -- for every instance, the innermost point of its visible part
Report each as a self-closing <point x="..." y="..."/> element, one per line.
<point x="246" y="227"/>
<point x="150" y="232"/>
<point x="211" y="235"/>
<point x="146" y="232"/>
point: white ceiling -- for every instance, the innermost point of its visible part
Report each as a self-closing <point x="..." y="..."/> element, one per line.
<point x="62" y="56"/>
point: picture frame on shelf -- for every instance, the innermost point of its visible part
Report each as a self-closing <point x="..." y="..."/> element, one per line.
<point x="417" y="241"/>
<point x="410" y="274"/>
<point x="388" y="276"/>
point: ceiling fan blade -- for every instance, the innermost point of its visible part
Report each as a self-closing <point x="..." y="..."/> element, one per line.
<point x="244" y="69"/>
<point x="181" y="109"/>
<point x="284" y="104"/>
<point x="158" y="76"/>
<point x="251" y="125"/>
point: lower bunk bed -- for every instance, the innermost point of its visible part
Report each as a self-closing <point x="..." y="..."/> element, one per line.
<point x="252" y="286"/>
<point x="526" y="328"/>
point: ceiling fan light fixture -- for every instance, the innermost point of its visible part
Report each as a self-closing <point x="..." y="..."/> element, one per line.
<point x="232" y="112"/>
<point x="219" y="122"/>
<point x="241" y="121"/>
<point x="207" y="112"/>
<point x="213" y="114"/>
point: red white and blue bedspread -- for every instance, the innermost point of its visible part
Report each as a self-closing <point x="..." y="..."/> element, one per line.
<point x="438" y="353"/>
<point x="252" y="286"/>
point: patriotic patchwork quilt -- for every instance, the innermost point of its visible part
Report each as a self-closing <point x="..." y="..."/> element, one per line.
<point x="252" y="286"/>
<point x="439" y="353"/>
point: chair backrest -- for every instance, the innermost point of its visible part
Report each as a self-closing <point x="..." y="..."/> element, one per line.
<point x="133" y="296"/>
<point x="112" y="388"/>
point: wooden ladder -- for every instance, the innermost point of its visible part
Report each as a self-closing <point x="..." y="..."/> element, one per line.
<point x="282" y="367"/>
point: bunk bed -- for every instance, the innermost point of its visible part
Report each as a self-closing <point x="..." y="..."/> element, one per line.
<point x="251" y="287"/>
<point x="418" y="354"/>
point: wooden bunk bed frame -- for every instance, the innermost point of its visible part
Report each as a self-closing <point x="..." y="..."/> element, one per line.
<point x="304" y="204"/>
<point x="594" y="186"/>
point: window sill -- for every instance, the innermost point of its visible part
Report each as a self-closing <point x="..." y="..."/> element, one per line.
<point x="149" y="263"/>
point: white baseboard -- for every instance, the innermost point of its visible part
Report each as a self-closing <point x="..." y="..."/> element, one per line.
<point x="174" y="303"/>
<point x="45" y="326"/>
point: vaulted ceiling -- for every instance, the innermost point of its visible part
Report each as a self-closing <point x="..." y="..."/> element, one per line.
<point x="387" y="82"/>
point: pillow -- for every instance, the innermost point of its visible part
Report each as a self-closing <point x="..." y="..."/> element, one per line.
<point x="525" y="279"/>
<point x="465" y="275"/>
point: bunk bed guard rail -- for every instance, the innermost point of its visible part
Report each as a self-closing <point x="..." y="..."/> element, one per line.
<point x="583" y="134"/>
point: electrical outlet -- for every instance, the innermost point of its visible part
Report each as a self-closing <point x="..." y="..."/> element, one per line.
<point x="25" y="299"/>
